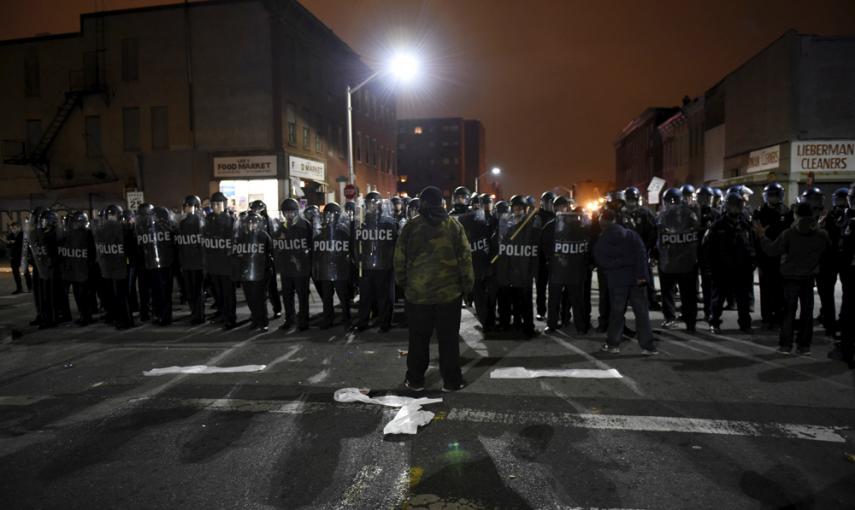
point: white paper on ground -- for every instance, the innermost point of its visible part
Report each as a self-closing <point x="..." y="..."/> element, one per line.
<point x="410" y="415"/>
<point x="582" y="373"/>
<point x="203" y="369"/>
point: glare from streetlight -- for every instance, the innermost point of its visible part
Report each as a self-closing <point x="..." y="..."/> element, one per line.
<point x="404" y="67"/>
<point x="496" y="170"/>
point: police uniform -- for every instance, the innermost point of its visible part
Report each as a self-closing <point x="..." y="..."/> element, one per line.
<point x="77" y="255"/>
<point x="292" y="255"/>
<point x="375" y="242"/>
<point x="111" y="245"/>
<point x="678" y="239"/>
<point x="729" y="246"/>
<point x="217" y="238"/>
<point x="516" y="267"/>
<point x="332" y="261"/>
<point x="481" y="234"/>
<point x="190" y="252"/>
<point x="566" y="241"/>
<point x="251" y="249"/>
<point x="155" y="232"/>
<point x="775" y="219"/>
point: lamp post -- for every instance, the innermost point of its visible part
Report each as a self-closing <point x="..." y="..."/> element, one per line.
<point x="495" y="171"/>
<point x="404" y="67"/>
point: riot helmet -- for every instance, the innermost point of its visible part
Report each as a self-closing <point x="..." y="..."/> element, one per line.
<point x="718" y="196"/>
<point x="518" y="204"/>
<point x="397" y="204"/>
<point x="487" y="202"/>
<point x="813" y="197"/>
<point x="672" y="197"/>
<point x="413" y="208"/>
<point x="773" y="193"/>
<point x="615" y="200"/>
<point x="145" y="209"/>
<point x="163" y="215"/>
<point x="502" y="207"/>
<point x="546" y="201"/>
<point x="632" y="196"/>
<point x="192" y="201"/>
<point x="373" y="202"/>
<point x="78" y="220"/>
<point x="460" y="195"/>
<point x="113" y="212"/>
<point x="48" y="220"/>
<point x="688" y="192"/>
<point x="258" y="207"/>
<point x="704" y="196"/>
<point x="733" y="204"/>
<point x="475" y="201"/>
<point x="839" y="198"/>
<point x="561" y="204"/>
<point x="218" y="202"/>
<point x="332" y="211"/>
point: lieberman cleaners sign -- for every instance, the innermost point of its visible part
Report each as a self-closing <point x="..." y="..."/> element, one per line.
<point x="823" y="155"/>
<point x="245" y="166"/>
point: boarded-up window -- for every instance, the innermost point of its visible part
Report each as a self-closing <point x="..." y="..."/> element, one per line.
<point x="131" y="128"/>
<point x="130" y="60"/>
<point x="92" y="133"/>
<point x="31" y="76"/>
<point x="159" y="127"/>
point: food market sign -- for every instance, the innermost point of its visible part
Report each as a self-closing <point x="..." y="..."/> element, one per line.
<point x="245" y="166"/>
<point x="822" y="155"/>
<point x="303" y="168"/>
<point x="764" y="159"/>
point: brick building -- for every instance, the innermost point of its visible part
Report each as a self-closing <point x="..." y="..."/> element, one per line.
<point x="638" y="148"/>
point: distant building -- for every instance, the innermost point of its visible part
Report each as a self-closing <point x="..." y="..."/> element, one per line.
<point x="638" y="149"/>
<point x="442" y="152"/>
<point x="683" y="144"/>
<point x="241" y="96"/>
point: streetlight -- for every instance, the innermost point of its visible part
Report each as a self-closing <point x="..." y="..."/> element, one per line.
<point x="495" y="171"/>
<point x="402" y="66"/>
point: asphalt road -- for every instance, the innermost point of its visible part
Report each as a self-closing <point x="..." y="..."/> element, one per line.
<point x="712" y="422"/>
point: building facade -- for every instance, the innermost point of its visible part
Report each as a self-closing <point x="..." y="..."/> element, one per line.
<point x="442" y="152"/>
<point x="246" y="97"/>
<point x="638" y="149"/>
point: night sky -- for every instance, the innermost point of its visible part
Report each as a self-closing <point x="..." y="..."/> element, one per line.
<point x="552" y="81"/>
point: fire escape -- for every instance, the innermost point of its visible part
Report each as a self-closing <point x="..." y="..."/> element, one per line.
<point x="89" y="81"/>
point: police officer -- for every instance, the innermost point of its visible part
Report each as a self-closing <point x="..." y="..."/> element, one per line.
<point x="775" y="218"/>
<point x="845" y="350"/>
<point x="566" y="240"/>
<point x="111" y="242"/>
<point x="413" y="208"/>
<point x="705" y="197"/>
<point x="332" y="262"/>
<point x="729" y="246"/>
<point x="545" y="214"/>
<point x="77" y="255"/>
<point x="815" y="199"/>
<point x="292" y="255"/>
<point x="190" y="253"/>
<point x="516" y="265"/>
<point x="44" y="246"/>
<point x="481" y="236"/>
<point x="644" y="224"/>
<point x="677" y="245"/>
<point x="487" y="205"/>
<point x="831" y="266"/>
<point x="155" y="228"/>
<point x="14" y="243"/>
<point x="251" y="249"/>
<point x="688" y="192"/>
<point x="460" y="200"/>
<point x="398" y="210"/>
<point x="260" y="208"/>
<point x="217" y="237"/>
<point x="615" y="202"/>
<point x="375" y="244"/>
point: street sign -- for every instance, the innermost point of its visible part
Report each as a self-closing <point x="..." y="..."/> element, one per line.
<point x="350" y="192"/>
<point x="134" y="199"/>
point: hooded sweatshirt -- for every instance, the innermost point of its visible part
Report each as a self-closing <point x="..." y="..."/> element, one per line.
<point x="801" y="248"/>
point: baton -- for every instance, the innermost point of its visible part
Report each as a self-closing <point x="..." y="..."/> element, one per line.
<point x="517" y="231"/>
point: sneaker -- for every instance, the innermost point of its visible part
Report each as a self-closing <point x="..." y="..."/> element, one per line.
<point x="448" y="388"/>
<point x="784" y="350"/>
<point x="669" y="324"/>
<point x="549" y="330"/>
<point x="649" y="352"/>
<point x="803" y="351"/>
<point x="715" y="330"/>
<point x="540" y="317"/>
<point x="412" y="386"/>
<point x="276" y="315"/>
<point x="609" y="349"/>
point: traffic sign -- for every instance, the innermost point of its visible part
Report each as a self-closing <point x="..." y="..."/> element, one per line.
<point x="350" y="192"/>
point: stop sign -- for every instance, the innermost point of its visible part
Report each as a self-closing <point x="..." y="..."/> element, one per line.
<point x="350" y="191"/>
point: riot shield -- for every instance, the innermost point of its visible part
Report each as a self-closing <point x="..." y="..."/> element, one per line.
<point x="292" y="246"/>
<point x="189" y="241"/>
<point x="43" y="243"/>
<point x="74" y="253"/>
<point x="251" y="247"/>
<point x="569" y="248"/>
<point x="110" y="248"/>
<point x="217" y="236"/>
<point x="678" y="230"/>
<point x="479" y="232"/>
<point x="376" y="237"/>
<point x="518" y="250"/>
<point x="332" y="247"/>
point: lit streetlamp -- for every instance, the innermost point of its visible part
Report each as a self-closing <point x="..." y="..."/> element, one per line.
<point x="402" y="66"/>
<point x="495" y="171"/>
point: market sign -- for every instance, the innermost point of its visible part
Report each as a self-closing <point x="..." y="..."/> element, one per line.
<point x="764" y="159"/>
<point x="822" y="155"/>
<point x="306" y="169"/>
<point x="245" y="166"/>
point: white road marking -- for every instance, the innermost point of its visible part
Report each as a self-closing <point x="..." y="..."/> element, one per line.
<point x="473" y="340"/>
<point x="21" y="400"/>
<point x="629" y="382"/>
<point x="321" y="376"/>
<point x="203" y="369"/>
<point x="581" y="373"/>
<point x="285" y="357"/>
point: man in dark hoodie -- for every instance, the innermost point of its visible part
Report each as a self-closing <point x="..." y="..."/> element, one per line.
<point x="433" y="264"/>
<point x="621" y="253"/>
<point x="801" y="248"/>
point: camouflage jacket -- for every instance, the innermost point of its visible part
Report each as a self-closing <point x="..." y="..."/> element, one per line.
<point x="433" y="263"/>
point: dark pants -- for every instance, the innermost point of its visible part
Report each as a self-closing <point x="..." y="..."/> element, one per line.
<point x="47" y="301"/>
<point x="771" y="291"/>
<point x="16" y="273"/>
<point x="604" y="305"/>
<point x="688" y="284"/>
<point x="342" y="289"/>
<point x="825" y="282"/>
<point x="193" y="288"/>
<point x="798" y="293"/>
<point x="847" y="342"/>
<point x="37" y="291"/>
<point x="182" y="289"/>
<point x="298" y="285"/>
<point x="273" y="291"/>
<point x="706" y="290"/>
<point x="143" y="279"/>
<point x="256" y="300"/>
<point x="118" y="303"/>
<point x="636" y="296"/>
<point x="224" y="294"/>
<point x="741" y="287"/>
<point x="83" y="299"/>
<point x="517" y="304"/>
<point x="377" y="287"/>
<point x="62" y="308"/>
<point x="484" y="297"/>
<point x="541" y="283"/>
<point x="424" y="319"/>
<point x="651" y="286"/>
<point x="133" y="289"/>
<point x="160" y="283"/>
<point x="561" y="299"/>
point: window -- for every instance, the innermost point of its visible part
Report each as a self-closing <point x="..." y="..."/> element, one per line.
<point x="130" y="60"/>
<point x="34" y="133"/>
<point x="317" y="141"/>
<point x="92" y="133"/>
<point x="292" y="125"/>
<point x="31" y="76"/>
<point x="307" y="135"/>
<point x="417" y="130"/>
<point x="159" y="127"/>
<point x="131" y="128"/>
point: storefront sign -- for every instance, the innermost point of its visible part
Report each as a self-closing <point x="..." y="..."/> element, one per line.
<point x="245" y="166"/>
<point x="306" y="169"/>
<point x="822" y="155"/>
<point x="764" y="159"/>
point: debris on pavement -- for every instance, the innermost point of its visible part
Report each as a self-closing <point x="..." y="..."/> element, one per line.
<point x="203" y="369"/>
<point x="525" y="373"/>
<point x="410" y="416"/>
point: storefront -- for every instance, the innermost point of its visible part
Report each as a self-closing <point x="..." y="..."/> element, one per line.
<point x="244" y="179"/>
<point x="307" y="180"/>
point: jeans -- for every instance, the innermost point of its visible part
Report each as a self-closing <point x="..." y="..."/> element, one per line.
<point x="798" y="293"/>
<point x="688" y="284"/>
<point x="637" y="297"/>
<point x="424" y="319"/>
